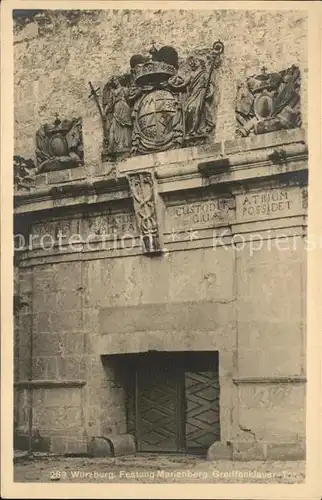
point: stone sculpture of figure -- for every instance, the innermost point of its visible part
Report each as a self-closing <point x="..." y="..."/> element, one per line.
<point x="244" y="109"/>
<point x="288" y="92"/>
<point x="198" y="108"/>
<point x="118" y="112"/>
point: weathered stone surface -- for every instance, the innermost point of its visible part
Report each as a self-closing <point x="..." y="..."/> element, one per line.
<point x="181" y="316"/>
<point x="28" y="32"/>
<point x="205" y="274"/>
<point x="62" y="72"/>
<point x="58" y="177"/>
<point x="38" y="397"/>
<point x="100" y="447"/>
<point x="76" y="444"/>
<point x="277" y="281"/>
<point x="113" y="418"/>
<point x="238" y="299"/>
<point x="197" y="214"/>
<point x="269" y="203"/>
<point x="62" y="396"/>
<point x="280" y="137"/>
<point x="259" y="395"/>
<point x="71" y="367"/>
<point x="121" y="444"/>
<point x="164" y="340"/>
<point x="286" y="451"/>
<point x="78" y="173"/>
<point x="44" y="367"/>
<point x="41" y="179"/>
<point x="269" y="324"/>
<point x="252" y="450"/>
<point x="257" y="360"/>
<point x="38" y="442"/>
<point x="58" y="444"/>
<point x="220" y="451"/>
<point x="263" y="421"/>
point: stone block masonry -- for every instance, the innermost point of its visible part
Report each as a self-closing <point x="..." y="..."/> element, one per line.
<point x="223" y="280"/>
<point x="50" y="75"/>
<point x="212" y="294"/>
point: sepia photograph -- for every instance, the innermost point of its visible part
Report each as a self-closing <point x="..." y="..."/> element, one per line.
<point x="160" y="243"/>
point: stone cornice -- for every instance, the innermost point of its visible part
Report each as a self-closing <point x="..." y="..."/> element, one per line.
<point x="265" y="157"/>
<point x="278" y="379"/>
<point x="229" y="162"/>
<point x="47" y="384"/>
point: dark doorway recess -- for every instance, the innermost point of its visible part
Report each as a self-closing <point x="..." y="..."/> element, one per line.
<point x="173" y="400"/>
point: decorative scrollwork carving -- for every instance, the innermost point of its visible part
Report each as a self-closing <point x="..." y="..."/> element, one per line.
<point x="142" y="189"/>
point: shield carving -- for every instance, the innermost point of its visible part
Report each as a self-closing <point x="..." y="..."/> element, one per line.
<point x="158" y="122"/>
<point x="263" y="106"/>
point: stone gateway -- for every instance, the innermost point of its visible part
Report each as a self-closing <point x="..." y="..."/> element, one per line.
<point x="160" y="233"/>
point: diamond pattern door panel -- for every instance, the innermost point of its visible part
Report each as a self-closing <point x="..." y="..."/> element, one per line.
<point x="158" y="410"/>
<point x="202" y="409"/>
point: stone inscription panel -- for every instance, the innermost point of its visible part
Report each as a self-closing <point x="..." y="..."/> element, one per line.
<point x="113" y="223"/>
<point x="55" y="228"/>
<point x="73" y="231"/>
<point x="270" y="203"/>
<point x="199" y="214"/>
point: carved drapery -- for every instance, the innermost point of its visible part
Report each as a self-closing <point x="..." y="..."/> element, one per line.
<point x="159" y="104"/>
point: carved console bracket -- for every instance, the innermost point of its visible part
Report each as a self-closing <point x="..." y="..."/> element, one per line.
<point x="143" y="192"/>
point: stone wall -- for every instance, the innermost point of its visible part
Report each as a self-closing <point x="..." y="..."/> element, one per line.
<point x="57" y="54"/>
<point x="233" y="282"/>
<point x="209" y="288"/>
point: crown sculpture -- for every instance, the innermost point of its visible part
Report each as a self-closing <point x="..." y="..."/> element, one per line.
<point x="152" y="108"/>
<point x="268" y="102"/>
<point x="59" y="145"/>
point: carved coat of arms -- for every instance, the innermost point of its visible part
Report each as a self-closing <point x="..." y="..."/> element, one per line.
<point x="59" y="145"/>
<point x="269" y="102"/>
<point x="153" y="108"/>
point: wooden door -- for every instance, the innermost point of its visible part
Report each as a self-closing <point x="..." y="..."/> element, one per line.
<point x="173" y="402"/>
<point x="202" y="419"/>
<point x="159" y="419"/>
